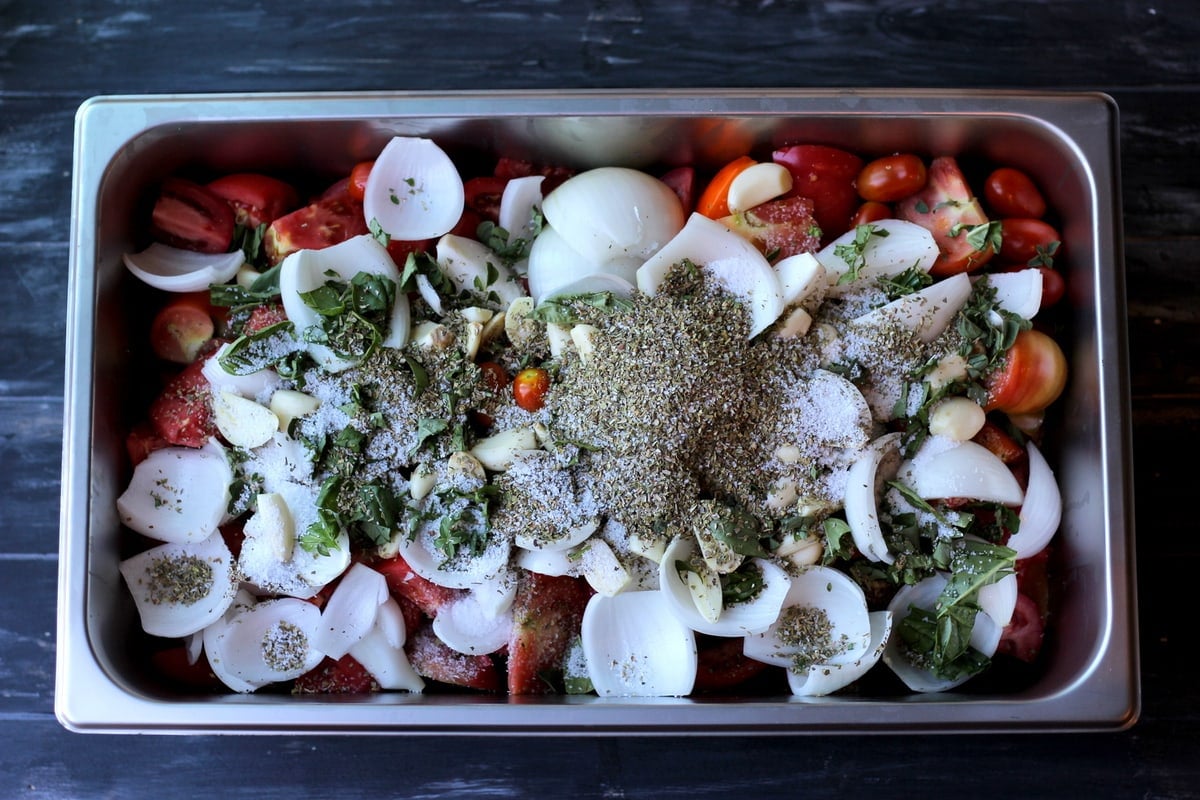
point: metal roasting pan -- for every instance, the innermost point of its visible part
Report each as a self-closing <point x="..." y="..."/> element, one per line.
<point x="1087" y="679"/>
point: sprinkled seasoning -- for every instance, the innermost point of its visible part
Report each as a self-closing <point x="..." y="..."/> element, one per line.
<point x="808" y="631"/>
<point x="184" y="579"/>
<point x="284" y="647"/>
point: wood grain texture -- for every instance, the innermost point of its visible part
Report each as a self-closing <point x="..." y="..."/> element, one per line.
<point x="55" y="55"/>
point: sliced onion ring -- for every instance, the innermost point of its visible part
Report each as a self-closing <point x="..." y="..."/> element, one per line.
<point x="173" y="269"/>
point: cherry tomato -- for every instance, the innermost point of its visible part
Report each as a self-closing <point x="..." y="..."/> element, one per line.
<point x="189" y="216"/>
<point x="256" y="199"/>
<point x="1022" y="238"/>
<point x="948" y="210"/>
<point x="495" y="377"/>
<point x="182" y="327"/>
<point x="1011" y="193"/>
<point x="530" y="387"/>
<point x="483" y="196"/>
<point x="870" y="211"/>
<point x="333" y="218"/>
<point x="826" y="176"/>
<point x="714" y="200"/>
<point x="1034" y="374"/>
<point x="892" y="178"/>
<point x="357" y="188"/>
<point x="682" y="181"/>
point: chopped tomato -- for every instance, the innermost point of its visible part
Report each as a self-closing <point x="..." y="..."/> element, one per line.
<point x="682" y="181"/>
<point x="509" y="168"/>
<point x="142" y="440"/>
<point x="780" y="228"/>
<point x="182" y="327"/>
<point x="950" y="212"/>
<point x="467" y="224"/>
<point x="483" y="196"/>
<point x="234" y="534"/>
<point x="172" y="663"/>
<point x="826" y="176"/>
<point x="1001" y="445"/>
<point x="547" y="614"/>
<point x="264" y="316"/>
<point x="714" y="200"/>
<point x="333" y="218"/>
<point x="1022" y="636"/>
<point x="341" y="676"/>
<point x="1033" y="580"/>
<point x="1034" y="374"/>
<point x="403" y="582"/>
<point x="1010" y="192"/>
<point x="414" y="617"/>
<point x="892" y="178"/>
<point x="357" y="185"/>
<point x="182" y="413"/>
<point x="530" y="387"/>
<point x="723" y="665"/>
<point x="432" y="659"/>
<point x="256" y="199"/>
<point x="189" y="216"/>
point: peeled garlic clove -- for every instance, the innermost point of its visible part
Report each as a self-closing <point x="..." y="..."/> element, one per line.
<point x="289" y="404"/>
<point x="181" y="587"/>
<point x="600" y="567"/>
<point x="497" y="452"/>
<point x="957" y="418"/>
<point x="757" y="184"/>
<point x="243" y="422"/>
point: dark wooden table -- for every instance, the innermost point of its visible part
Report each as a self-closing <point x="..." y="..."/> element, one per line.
<point x="53" y="55"/>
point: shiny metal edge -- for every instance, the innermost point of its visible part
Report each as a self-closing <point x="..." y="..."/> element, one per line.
<point x="87" y="699"/>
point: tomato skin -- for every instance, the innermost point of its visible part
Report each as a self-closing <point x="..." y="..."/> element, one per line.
<point x="336" y="676"/>
<point x="714" y="200"/>
<point x="483" y="196"/>
<point x="432" y="659"/>
<point x="357" y="185"/>
<point x="404" y="583"/>
<point x="529" y="388"/>
<point x="182" y="327"/>
<point x="547" y="615"/>
<point x="190" y="216"/>
<point x="870" y="211"/>
<point x="333" y="218"/>
<point x="826" y="176"/>
<point x="264" y="316"/>
<point x="142" y="440"/>
<point x="173" y="664"/>
<point x="723" y="665"/>
<point x="1001" y="445"/>
<point x="1010" y="192"/>
<point x="892" y="178"/>
<point x="945" y="207"/>
<point x="1022" y="637"/>
<point x="1023" y="236"/>
<point x="399" y="249"/>
<point x="781" y="227"/>
<point x="682" y="181"/>
<point x="495" y="377"/>
<point x="256" y="199"/>
<point x="1033" y="376"/>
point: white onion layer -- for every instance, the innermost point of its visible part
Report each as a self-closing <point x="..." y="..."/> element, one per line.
<point x="903" y="245"/>
<point x="635" y="646"/>
<point x="264" y="643"/>
<point x="967" y="470"/>
<point x="162" y="610"/>
<point x="173" y="269"/>
<point x="741" y="619"/>
<point x="414" y="190"/>
<point x="1041" y="512"/>
<point x="822" y="679"/>
<point x="177" y="494"/>
<point x="861" y="499"/>
<point x="350" y="612"/>
<point x="381" y="651"/>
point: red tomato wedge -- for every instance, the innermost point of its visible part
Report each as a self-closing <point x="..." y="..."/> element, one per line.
<point x="547" y="615"/>
<point x="182" y="327"/>
<point x="825" y="175"/>
<point x="714" y="200"/>
<point x="189" y="216"/>
<point x="182" y="413"/>
<point x="432" y="659"/>
<point x="333" y="218"/>
<point x="142" y="440"/>
<point x="780" y="228"/>
<point x="1034" y="374"/>
<point x="256" y="199"/>
<point x="722" y="665"/>
<point x="949" y="211"/>
<point x="341" y="676"/>
<point x="403" y="582"/>
<point x="483" y="196"/>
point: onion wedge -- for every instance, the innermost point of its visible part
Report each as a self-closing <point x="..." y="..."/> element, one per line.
<point x="896" y="246"/>
<point x="862" y="496"/>
<point x="1041" y="512"/>
<point x="381" y="651"/>
<point x="267" y="642"/>
<point x="636" y="646"/>
<point x="350" y="612"/>
<point x="177" y="494"/>
<point x="181" y="587"/>
<point x="176" y="270"/>
<point x="966" y="469"/>
<point x="414" y="190"/>
<point x="822" y="679"/>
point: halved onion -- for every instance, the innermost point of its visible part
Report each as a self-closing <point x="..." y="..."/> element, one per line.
<point x="822" y="679"/>
<point x="613" y="212"/>
<point x="965" y="469"/>
<point x="729" y="259"/>
<point x="414" y="190"/>
<point x="636" y="646"/>
<point x="465" y="626"/>
<point x="305" y="270"/>
<point x="1041" y="512"/>
<point x="350" y="612"/>
<point x="905" y="245"/>
<point x="742" y="619"/>
<point x="264" y="643"/>
<point x="985" y="636"/>
<point x="926" y="313"/>
<point x="381" y="651"/>
<point x="862" y="496"/>
<point x="181" y="587"/>
<point x="834" y="596"/>
<point x="470" y="265"/>
<point x="173" y="269"/>
<point x="177" y="494"/>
